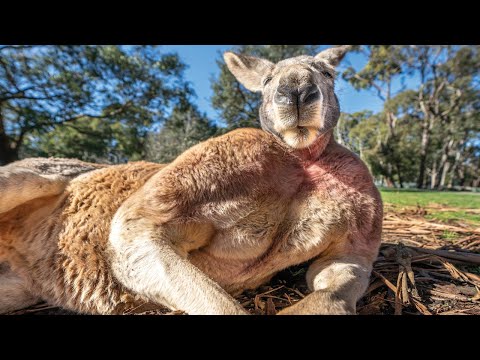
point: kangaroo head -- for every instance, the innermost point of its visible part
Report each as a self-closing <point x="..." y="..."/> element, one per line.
<point x="299" y="103"/>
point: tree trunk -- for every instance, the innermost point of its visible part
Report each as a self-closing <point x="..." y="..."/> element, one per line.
<point x="390" y="175"/>
<point x="389" y="182"/>
<point x="427" y="125"/>
<point x="391" y="150"/>
<point x="444" y="163"/>
<point x="339" y="133"/>
<point x="443" y="177"/>
<point x="433" y="175"/>
<point x="7" y="155"/>
<point x="456" y="162"/>
<point x="423" y="156"/>
<point x="461" y="173"/>
<point x="399" y="174"/>
<point x="476" y="182"/>
<point x="8" y="152"/>
<point x="451" y="178"/>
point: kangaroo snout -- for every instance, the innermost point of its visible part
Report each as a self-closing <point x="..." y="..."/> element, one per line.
<point x="286" y="95"/>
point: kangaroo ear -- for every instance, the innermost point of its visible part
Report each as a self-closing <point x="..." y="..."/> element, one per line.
<point x="334" y="55"/>
<point x="248" y="70"/>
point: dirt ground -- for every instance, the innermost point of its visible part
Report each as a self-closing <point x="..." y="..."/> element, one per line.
<point x="424" y="267"/>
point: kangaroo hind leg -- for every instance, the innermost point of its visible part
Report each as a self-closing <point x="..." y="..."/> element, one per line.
<point x="14" y="292"/>
<point x="17" y="186"/>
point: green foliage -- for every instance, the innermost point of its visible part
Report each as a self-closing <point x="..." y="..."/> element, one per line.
<point x="101" y="103"/>
<point x="428" y="135"/>
<point x="185" y="127"/>
<point x="90" y="102"/>
<point x="87" y="139"/>
<point x="239" y="107"/>
<point x="384" y="64"/>
<point x="358" y="131"/>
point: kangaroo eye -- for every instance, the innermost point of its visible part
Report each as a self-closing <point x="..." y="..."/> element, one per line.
<point x="267" y="80"/>
<point x="327" y="74"/>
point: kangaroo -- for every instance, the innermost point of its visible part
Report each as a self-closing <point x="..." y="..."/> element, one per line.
<point x="225" y="216"/>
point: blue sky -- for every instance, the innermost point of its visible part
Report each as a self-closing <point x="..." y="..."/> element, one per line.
<point x="202" y="67"/>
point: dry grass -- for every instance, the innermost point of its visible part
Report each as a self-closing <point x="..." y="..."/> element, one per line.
<point x="424" y="267"/>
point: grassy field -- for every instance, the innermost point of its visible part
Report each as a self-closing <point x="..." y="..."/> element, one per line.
<point x="443" y="206"/>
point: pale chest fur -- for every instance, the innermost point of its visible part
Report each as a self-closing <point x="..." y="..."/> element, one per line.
<point x="259" y="237"/>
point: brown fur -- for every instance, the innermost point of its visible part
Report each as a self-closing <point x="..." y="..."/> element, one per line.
<point x="225" y="216"/>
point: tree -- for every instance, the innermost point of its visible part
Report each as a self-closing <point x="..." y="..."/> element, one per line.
<point x="448" y="90"/>
<point x="364" y="133"/>
<point x="89" y="139"/>
<point x="343" y="131"/>
<point x="185" y="127"/>
<point x="239" y="107"/>
<point x="379" y="74"/>
<point x="438" y="117"/>
<point x="447" y="98"/>
<point x="84" y="101"/>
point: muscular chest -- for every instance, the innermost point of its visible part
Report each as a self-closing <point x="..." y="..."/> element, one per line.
<point x="301" y="222"/>
<point x="260" y="236"/>
<point x="267" y="239"/>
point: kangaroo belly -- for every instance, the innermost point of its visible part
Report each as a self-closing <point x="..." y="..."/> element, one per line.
<point x="270" y="238"/>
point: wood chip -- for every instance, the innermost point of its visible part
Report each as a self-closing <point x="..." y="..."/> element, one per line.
<point x="270" y="307"/>
<point x="464" y="257"/>
<point x="420" y="307"/>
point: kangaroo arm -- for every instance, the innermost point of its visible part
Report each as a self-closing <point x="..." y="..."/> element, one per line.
<point x="337" y="284"/>
<point x="146" y="262"/>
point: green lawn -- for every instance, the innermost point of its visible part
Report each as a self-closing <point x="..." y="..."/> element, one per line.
<point x="463" y="203"/>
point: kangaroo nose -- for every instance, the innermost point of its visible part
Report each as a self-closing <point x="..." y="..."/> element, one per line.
<point x="286" y="95"/>
<point x="309" y="94"/>
<point x="289" y="96"/>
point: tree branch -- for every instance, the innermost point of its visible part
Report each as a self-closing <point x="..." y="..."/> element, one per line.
<point x="76" y="117"/>
<point x="20" y="94"/>
<point x="376" y="86"/>
<point x="111" y="113"/>
<point x="252" y="110"/>
<point x="83" y="131"/>
<point x="9" y="75"/>
<point x="16" y="47"/>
